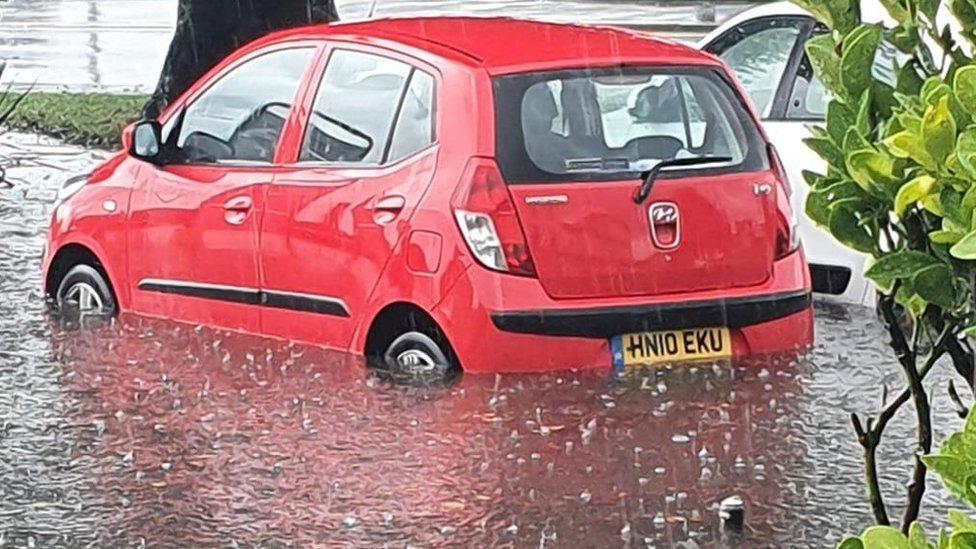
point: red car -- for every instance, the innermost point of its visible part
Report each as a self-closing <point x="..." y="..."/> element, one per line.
<point x="442" y="194"/>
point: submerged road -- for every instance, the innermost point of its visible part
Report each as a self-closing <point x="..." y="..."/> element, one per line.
<point x="119" y="45"/>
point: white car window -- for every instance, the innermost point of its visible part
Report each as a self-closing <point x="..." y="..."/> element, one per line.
<point x="759" y="61"/>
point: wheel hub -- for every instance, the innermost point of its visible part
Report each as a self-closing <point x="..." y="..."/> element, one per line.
<point x="84" y="296"/>
<point x="416" y="360"/>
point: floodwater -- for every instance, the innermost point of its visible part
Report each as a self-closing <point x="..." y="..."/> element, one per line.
<point x="148" y="432"/>
<point x="120" y="45"/>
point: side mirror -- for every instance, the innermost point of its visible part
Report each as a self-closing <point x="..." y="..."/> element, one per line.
<point x="147" y="141"/>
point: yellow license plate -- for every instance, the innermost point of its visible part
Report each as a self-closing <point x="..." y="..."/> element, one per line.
<point x="650" y="348"/>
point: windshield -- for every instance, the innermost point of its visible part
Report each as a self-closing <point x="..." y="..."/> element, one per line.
<point x="566" y="125"/>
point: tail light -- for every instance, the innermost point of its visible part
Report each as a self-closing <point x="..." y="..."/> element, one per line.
<point x="787" y="234"/>
<point x="787" y="230"/>
<point x="486" y="216"/>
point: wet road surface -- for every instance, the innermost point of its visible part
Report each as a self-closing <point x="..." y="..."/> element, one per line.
<point x="151" y="432"/>
<point x="119" y="45"/>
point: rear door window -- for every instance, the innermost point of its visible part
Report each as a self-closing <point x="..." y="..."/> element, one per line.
<point x="415" y="123"/>
<point x="355" y="109"/>
<point x="591" y="125"/>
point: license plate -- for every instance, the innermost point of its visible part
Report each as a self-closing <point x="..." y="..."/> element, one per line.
<point x="651" y="348"/>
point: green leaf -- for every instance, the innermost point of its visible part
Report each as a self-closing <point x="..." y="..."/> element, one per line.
<point x="899" y="265"/>
<point x="896" y="10"/>
<point x="844" y="226"/>
<point x="862" y="122"/>
<point x="964" y="86"/>
<point x="970" y="331"/>
<point x="840" y="118"/>
<point x="929" y="8"/>
<point x="860" y="46"/>
<point x="961" y="522"/>
<point x="934" y="285"/>
<point x="913" y="191"/>
<point x="907" y="144"/>
<point x="946" y="237"/>
<point x="822" y="51"/>
<point x="966" y="150"/>
<point x="956" y="473"/>
<point x="965" y="248"/>
<point x="904" y="36"/>
<point x="934" y="89"/>
<point x="884" y="537"/>
<point x="939" y="131"/>
<point x="909" y="82"/>
<point x="965" y="13"/>
<point x="840" y="15"/>
<point x="917" y="538"/>
<point x="871" y="170"/>
<point x="827" y="150"/>
<point x="907" y="298"/>
<point x="818" y="208"/>
<point x="851" y="543"/>
<point x="962" y="540"/>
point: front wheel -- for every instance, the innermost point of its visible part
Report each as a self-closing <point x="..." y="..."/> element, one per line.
<point x="85" y="290"/>
<point x="417" y="355"/>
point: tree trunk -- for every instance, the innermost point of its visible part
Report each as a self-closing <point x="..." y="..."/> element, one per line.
<point x="209" y="30"/>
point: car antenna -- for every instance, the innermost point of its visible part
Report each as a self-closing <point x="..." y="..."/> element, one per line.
<point x="372" y="9"/>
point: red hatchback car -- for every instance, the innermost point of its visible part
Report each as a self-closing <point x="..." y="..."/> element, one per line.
<point x="442" y="194"/>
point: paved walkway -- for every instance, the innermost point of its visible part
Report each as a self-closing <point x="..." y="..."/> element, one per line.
<point x="119" y="45"/>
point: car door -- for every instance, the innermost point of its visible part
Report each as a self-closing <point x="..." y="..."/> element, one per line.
<point x="193" y="228"/>
<point x="334" y="216"/>
<point x="764" y="54"/>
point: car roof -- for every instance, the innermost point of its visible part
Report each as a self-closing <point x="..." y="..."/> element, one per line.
<point x="505" y="45"/>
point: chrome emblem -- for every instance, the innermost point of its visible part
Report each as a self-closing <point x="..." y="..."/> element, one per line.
<point x="547" y="200"/>
<point x="665" y="225"/>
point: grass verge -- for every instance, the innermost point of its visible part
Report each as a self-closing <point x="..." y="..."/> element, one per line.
<point x="88" y="119"/>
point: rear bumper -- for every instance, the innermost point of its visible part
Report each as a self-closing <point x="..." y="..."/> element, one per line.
<point x="608" y="322"/>
<point x="501" y="323"/>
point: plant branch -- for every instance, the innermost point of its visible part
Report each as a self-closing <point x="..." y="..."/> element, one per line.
<point x="923" y="412"/>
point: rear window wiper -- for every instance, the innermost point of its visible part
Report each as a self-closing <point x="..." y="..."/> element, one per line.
<point x="650" y="176"/>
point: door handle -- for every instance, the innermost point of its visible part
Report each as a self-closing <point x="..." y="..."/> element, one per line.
<point x="386" y="209"/>
<point x="237" y="209"/>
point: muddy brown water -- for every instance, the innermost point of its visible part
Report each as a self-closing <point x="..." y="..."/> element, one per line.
<point x="147" y="432"/>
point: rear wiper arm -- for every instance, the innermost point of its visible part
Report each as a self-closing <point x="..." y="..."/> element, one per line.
<point x="650" y="176"/>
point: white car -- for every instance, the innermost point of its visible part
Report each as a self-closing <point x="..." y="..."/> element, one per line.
<point x="765" y="48"/>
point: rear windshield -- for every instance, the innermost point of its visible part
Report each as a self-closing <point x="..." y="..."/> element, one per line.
<point x="593" y="125"/>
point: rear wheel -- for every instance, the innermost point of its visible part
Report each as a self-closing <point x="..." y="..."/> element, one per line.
<point x="84" y="290"/>
<point x="416" y="354"/>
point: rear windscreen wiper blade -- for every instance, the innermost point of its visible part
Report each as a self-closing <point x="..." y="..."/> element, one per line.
<point x="651" y="175"/>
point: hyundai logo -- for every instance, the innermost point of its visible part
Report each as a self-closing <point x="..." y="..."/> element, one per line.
<point x="665" y="225"/>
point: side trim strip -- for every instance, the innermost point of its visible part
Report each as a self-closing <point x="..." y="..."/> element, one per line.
<point x="305" y="303"/>
<point x="608" y="322"/>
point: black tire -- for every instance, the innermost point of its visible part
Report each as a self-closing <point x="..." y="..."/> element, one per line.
<point x="417" y="355"/>
<point x="89" y="279"/>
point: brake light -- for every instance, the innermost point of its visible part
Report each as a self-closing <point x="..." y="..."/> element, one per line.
<point x="787" y="230"/>
<point x="489" y="224"/>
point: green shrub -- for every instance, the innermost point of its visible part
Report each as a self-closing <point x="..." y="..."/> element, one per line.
<point x="901" y="186"/>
